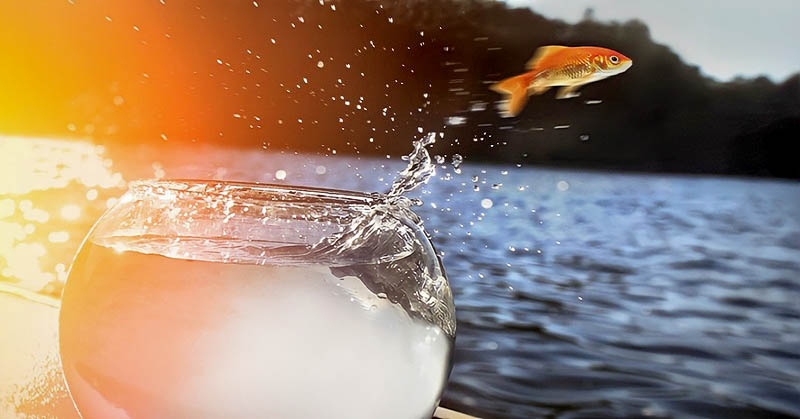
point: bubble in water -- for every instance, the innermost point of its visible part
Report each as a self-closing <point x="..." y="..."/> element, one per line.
<point x="486" y="203"/>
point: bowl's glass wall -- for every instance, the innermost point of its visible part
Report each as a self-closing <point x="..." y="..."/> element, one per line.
<point x="227" y="299"/>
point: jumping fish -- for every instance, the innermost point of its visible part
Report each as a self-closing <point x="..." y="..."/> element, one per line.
<point x="565" y="67"/>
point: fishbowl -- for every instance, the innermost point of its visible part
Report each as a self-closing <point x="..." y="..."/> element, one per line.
<point x="207" y="299"/>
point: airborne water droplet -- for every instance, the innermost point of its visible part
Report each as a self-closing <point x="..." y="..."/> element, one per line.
<point x="457" y="160"/>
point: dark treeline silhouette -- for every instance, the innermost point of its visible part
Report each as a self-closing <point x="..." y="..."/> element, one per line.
<point x="363" y="76"/>
<point x="662" y="115"/>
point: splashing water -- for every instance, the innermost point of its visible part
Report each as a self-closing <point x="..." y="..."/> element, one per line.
<point x="382" y="234"/>
<point x="419" y="170"/>
<point x="377" y="239"/>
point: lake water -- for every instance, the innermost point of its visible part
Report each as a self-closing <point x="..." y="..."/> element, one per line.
<point x="578" y="294"/>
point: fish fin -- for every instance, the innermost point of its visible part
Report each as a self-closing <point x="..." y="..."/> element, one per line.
<point x="568" y="92"/>
<point x="515" y="90"/>
<point x="538" y="90"/>
<point x="542" y="52"/>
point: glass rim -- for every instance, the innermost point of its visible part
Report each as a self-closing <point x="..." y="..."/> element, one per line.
<point x="284" y="193"/>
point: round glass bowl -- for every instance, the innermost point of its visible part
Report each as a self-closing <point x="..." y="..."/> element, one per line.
<point x="219" y="299"/>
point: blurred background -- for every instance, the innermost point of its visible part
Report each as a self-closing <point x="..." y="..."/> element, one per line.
<point x="605" y="261"/>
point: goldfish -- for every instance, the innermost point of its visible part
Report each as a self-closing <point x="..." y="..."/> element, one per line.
<point x="559" y="66"/>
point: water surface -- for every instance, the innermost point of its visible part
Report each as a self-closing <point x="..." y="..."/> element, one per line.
<point x="578" y="294"/>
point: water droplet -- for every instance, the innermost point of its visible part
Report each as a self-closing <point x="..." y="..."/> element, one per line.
<point x="280" y="174"/>
<point x="584" y="137"/>
<point x="456" y="120"/>
<point x="562" y="185"/>
<point x="320" y="64"/>
<point x="457" y="160"/>
<point x="486" y="203"/>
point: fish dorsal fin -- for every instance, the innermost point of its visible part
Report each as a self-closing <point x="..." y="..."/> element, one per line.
<point x="542" y="52"/>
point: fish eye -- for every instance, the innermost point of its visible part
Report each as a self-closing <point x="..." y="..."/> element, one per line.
<point x="614" y="59"/>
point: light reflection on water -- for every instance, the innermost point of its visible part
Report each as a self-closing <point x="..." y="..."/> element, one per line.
<point x="49" y="193"/>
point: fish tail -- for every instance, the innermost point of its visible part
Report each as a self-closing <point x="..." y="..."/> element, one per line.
<point x="515" y="90"/>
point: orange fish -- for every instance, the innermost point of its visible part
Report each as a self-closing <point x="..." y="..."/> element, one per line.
<point x="566" y="67"/>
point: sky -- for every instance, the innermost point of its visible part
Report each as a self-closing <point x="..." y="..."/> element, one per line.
<point x="725" y="38"/>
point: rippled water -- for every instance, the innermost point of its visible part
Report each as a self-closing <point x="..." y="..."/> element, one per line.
<point x="652" y="295"/>
<point x="578" y="294"/>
